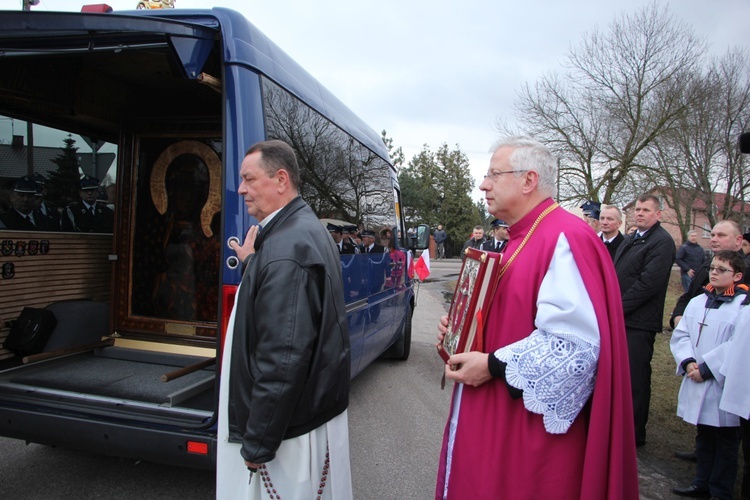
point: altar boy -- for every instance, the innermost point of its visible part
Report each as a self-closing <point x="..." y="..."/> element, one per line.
<point x="700" y="347"/>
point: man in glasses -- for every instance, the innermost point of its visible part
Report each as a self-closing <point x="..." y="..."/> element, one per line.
<point x="541" y="407"/>
<point x="725" y="235"/>
<point x="701" y="346"/>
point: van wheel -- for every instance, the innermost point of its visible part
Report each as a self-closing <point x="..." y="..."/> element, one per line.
<point x="400" y="350"/>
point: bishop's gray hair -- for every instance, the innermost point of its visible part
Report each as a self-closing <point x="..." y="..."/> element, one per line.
<point x="530" y="154"/>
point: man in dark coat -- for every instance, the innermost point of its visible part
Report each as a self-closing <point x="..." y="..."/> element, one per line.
<point x="476" y="241"/>
<point x="690" y="258"/>
<point x="643" y="264"/>
<point x="610" y="220"/>
<point x="440" y="237"/>
<point x="88" y="216"/>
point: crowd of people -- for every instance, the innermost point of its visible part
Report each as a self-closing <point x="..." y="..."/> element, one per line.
<point x="29" y="209"/>
<point x="552" y="404"/>
<point x="380" y="266"/>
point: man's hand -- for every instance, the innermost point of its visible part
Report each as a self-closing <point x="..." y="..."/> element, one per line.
<point x="691" y="273"/>
<point x="676" y="320"/>
<point x="473" y="369"/>
<point x="248" y="247"/>
<point x="251" y="465"/>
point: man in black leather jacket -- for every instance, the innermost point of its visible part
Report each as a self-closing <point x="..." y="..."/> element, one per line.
<point x="644" y="263"/>
<point x="290" y="360"/>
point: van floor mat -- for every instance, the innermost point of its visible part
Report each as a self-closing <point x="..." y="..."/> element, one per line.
<point x="113" y="378"/>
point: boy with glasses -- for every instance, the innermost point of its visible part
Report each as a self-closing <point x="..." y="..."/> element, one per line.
<point x="700" y="345"/>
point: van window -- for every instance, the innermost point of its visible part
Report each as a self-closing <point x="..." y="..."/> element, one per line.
<point x="341" y="179"/>
<point x="55" y="160"/>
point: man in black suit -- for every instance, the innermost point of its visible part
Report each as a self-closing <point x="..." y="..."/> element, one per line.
<point x="349" y="234"/>
<point x="22" y="216"/>
<point x="368" y="243"/>
<point x="499" y="239"/>
<point x="610" y="219"/>
<point x="643" y="264"/>
<point x="337" y="233"/>
<point x="88" y="216"/>
<point x="378" y="268"/>
<point x="45" y="207"/>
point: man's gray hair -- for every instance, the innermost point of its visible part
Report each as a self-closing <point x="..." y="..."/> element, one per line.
<point x="530" y="154"/>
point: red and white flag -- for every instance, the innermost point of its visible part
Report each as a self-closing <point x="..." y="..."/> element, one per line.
<point x="422" y="266"/>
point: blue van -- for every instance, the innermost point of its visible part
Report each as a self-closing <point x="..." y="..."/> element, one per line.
<point x="168" y="102"/>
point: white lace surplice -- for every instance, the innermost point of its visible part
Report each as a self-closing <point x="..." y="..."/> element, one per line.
<point x="555" y="366"/>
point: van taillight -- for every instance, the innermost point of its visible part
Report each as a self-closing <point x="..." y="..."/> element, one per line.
<point x="197" y="447"/>
<point x="99" y="7"/>
<point x="228" y="293"/>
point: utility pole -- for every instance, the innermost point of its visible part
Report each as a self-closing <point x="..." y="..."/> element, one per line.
<point x="26" y="4"/>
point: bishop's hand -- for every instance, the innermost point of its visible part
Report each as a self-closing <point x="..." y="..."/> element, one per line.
<point x="472" y="369"/>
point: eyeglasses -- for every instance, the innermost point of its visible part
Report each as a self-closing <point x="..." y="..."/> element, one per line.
<point x="494" y="175"/>
<point x="720" y="270"/>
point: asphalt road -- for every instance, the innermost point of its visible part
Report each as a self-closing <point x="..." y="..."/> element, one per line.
<point x="396" y="418"/>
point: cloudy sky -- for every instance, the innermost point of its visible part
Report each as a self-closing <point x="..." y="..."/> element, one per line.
<point x="430" y="72"/>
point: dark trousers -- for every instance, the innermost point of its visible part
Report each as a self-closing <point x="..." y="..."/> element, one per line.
<point x="640" y="352"/>
<point x="745" y="431"/>
<point x="716" y="449"/>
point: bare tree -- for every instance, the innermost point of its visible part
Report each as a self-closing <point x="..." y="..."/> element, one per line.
<point x="615" y="98"/>
<point x="697" y="159"/>
<point x="732" y="76"/>
<point x="341" y="178"/>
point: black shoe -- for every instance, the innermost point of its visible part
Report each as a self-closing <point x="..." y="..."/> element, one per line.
<point x="688" y="456"/>
<point x="691" y="491"/>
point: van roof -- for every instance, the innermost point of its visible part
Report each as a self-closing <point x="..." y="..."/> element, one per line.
<point x="242" y="44"/>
